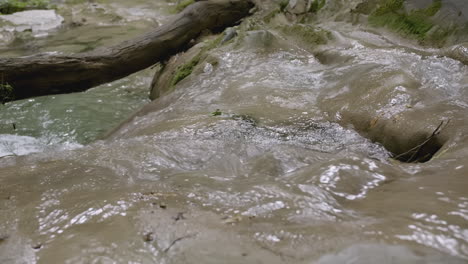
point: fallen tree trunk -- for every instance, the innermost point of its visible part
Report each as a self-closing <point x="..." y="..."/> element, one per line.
<point x="39" y="75"/>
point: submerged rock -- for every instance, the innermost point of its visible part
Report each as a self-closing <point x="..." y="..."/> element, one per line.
<point x="381" y="253"/>
<point x="458" y="52"/>
<point x="260" y="39"/>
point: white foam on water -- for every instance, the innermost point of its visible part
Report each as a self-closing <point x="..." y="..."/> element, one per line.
<point x="14" y="145"/>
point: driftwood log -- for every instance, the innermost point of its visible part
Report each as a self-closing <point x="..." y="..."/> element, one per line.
<point x="39" y="75"/>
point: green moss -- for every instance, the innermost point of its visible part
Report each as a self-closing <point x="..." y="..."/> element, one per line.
<point x="389" y="6"/>
<point x="217" y="112"/>
<point x="186" y="69"/>
<point x="271" y="15"/>
<point x="310" y="34"/>
<point x="433" y="8"/>
<point x="416" y="23"/>
<point x="213" y="43"/>
<point x="438" y="36"/>
<point x="6" y="93"/>
<point x="12" y="6"/>
<point x="283" y="4"/>
<point x="316" y="5"/>
<point x="182" y="5"/>
<point x="247" y="119"/>
<point x="365" y="7"/>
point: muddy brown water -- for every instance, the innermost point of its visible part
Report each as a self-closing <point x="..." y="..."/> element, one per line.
<point x="296" y="168"/>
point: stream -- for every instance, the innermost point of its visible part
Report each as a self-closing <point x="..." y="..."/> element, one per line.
<point x="262" y="155"/>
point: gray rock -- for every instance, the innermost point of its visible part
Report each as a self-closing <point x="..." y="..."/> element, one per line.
<point x="298" y="6"/>
<point x="458" y="52"/>
<point x="259" y="39"/>
<point x="229" y="34"/>
<point x="37" y="21"/>
<point x="385" y="254"/>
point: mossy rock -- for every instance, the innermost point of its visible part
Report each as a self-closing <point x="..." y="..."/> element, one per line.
<point x="307" y="33"/>
<point x="268" y="17"/>
<point x="416" y="23"/>
<point x="259" y="40"/>
<point x="316" y="5"/>
<point x="458" y="52"/>
<point x="187" y="68"/>
<point x="365" y="7"/>
<point x="173" y="71"/>
<point x="181" y="66"/>
<point x="6" y="93"/>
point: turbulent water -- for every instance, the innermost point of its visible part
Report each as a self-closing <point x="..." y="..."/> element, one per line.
<point x="255" y="159"/>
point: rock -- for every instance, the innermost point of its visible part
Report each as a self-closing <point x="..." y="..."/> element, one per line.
<point x="229" y="34"/>
<point x="382" y="253"/>
<point x="6" y="37"/>
<point x="451" y="11"/>
<point x="37" y="21"/>
<point x="163" y="80"/>
<point x="298" y="6"/>
<point x="449" y="22"/>
<point x="259" y="39"/>
<point x="457" y="52"/>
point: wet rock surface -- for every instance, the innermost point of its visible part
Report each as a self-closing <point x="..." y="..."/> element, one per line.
<point x="279" y="153"/>
<point x="36" y="21"/>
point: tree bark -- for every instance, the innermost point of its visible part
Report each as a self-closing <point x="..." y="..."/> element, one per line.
<point x="39" y="75"/>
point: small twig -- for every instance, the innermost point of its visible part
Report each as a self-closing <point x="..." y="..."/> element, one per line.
<point x="177" y="240"/>
<point x="434" y="133"/>
<point x="418" y="148"/>
<point x="420" y="145"/>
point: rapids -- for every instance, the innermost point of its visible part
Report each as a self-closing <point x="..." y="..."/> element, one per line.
<point x="257" y="158"/>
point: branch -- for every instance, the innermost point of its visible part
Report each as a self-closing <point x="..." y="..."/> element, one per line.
<point x="418" y="148"/>
<point x="44" y="74"/>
